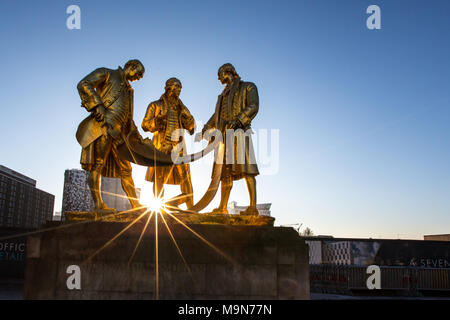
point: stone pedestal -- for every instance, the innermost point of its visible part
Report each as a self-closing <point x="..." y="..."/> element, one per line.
<point x="239" y="262"/>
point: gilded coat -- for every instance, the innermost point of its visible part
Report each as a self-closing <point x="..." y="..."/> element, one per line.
<point x="243" y="105"/>
<point x="111" y="88"/>
<point x="158" y="109"/>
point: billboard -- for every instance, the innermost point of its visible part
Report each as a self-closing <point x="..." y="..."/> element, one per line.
<point x="12" y="253"/>
<point x="426" y="254"/>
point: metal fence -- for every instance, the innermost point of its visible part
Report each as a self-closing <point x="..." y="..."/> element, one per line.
<point x="345" y="278"/>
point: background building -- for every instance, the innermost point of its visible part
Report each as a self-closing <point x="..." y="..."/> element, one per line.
<point x="339" y="252"/>
<point x="77" y="197"/>
<point x="382" y="252"/>
<point x="22" y="205"/>
<point x="13" y="252"/>
<point x="23" y="208"/>
<point x="437" y="237"/>
<point x="408" y="267"/>
<point x="263" y="208"/>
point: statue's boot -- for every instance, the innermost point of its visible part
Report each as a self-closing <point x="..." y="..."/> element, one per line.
<point x="130" y="190"/>
<point x="225" y="190"/>
<point x="94" y="186"/>
<point x="251" y="186"/>
<point x="220" y="211"/>
<point x="250" y="211"/>
<point x="104" y="207"/>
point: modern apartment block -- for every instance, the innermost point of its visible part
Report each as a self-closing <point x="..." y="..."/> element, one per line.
<point x="22" y="205"/>
<point x="77" y="197"/>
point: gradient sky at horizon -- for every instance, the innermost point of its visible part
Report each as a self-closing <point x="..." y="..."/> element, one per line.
<point x="363" y="115"/>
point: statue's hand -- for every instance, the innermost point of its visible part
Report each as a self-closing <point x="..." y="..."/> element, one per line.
<point x="198" y="137"/>
<point x="133" y="128"/>
<point x="205" y="128"/>
<point x="141" y="140"/>
<point x="99" y="113"/>
<point x="234" y="124"/>
<point x="161" y="123"/>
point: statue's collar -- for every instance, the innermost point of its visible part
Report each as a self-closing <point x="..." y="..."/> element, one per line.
<point x="122" y="74"/>
<point x="232" y="87"/>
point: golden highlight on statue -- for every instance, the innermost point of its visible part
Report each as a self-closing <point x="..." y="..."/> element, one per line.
<point x="111" y="142"/>
<point x="167" y="118"/>
<point x="108" y="96"/>
<point x="236" y="107"/>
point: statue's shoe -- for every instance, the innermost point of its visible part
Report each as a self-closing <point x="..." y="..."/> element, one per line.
<point x="104" y="209"/>
<point x="140" y="206"/>
<point x="173" y="209"/>
<point x="219" y="211"/>
<point x="250" y="211"/>
<point x="104" y="212"/>
<point x="139" y="210"/>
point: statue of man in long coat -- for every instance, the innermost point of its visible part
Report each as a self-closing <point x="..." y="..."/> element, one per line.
<point x="108" y="96"/>
<point x="236" y="107"/>
<point x="165" y="118"/>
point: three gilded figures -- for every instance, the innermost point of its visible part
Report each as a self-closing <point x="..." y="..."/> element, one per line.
<point x="108" y="96"/>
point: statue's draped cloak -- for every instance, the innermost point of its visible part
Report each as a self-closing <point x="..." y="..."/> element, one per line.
<point x="242" y="103"/>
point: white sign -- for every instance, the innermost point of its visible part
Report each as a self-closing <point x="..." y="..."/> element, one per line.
<point x="374" y="21"/>
<point x="74" y="280"/>
<point x="74" y="20"/>
<point x="374" y="280"/>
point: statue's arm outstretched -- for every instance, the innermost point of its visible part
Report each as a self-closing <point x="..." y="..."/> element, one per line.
<point x="90" y="98"/>
<point x="210" y="124"/>
<point x="252" y="106"/>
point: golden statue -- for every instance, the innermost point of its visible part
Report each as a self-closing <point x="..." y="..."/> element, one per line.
<point x="236" y="107"/>
<point x="108" y="96"/>
<point x="163" y="118"/>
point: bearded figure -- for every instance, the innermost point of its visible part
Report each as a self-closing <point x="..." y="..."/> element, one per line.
<point x="167" y="118"/>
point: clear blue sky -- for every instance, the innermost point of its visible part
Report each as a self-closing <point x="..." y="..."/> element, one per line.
<point x="363" y="115"/>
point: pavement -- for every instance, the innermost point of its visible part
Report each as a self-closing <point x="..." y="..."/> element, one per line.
<point x="11" y="289"/>
<point x="327" y="296"/>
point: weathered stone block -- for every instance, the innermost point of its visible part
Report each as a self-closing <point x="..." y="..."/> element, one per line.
<point x="216" y="262"/>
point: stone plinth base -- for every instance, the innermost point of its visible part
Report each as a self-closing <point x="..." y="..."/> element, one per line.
<point x="238" y="262"/>
<point x="187" y="218"/>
